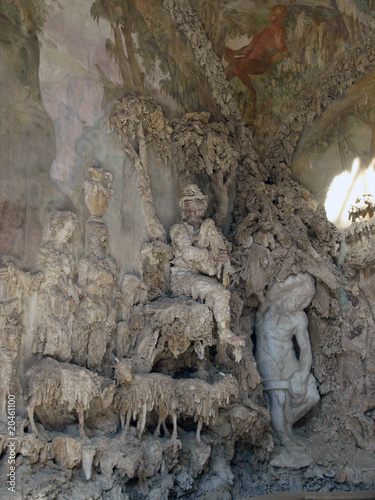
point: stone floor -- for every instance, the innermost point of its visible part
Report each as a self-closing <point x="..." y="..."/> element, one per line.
<point x="355" y="495"/>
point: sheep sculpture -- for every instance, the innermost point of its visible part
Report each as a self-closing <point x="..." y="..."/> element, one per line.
<point x="52" y="383"/>
<point x="202" y="400"/>
<point x="142" y="393"/>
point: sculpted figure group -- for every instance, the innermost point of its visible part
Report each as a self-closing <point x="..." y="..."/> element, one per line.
<point x="77" y="310"/>
<point x="96" y="314"/>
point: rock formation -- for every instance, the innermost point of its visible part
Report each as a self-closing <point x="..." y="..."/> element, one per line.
<point x="235" y="355"/>
<point x="287" y="380"/>
<point x="93" y="337"/>
<point x="58" y="295"/>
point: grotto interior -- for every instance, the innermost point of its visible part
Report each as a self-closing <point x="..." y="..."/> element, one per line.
<point x="187" y="290"/>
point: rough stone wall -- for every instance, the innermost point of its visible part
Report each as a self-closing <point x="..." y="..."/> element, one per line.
<point x="84" y="435"/>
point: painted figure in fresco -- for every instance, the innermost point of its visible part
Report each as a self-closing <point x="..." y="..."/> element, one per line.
<point x="287" y="380"/>
<point x="196" y="267"/>
<point x="259" y="56"/>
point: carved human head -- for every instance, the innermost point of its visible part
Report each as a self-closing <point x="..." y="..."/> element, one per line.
<point x="97" y="236"/>
<point x="193" y="203"/>
<point x="293" y="294"/>
<point x="62" y="225"/>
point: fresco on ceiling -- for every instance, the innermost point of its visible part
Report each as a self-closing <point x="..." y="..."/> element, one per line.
<point x="150" y="51"/>
<point x="272" y="52"/>
<point x="342" y="138"/>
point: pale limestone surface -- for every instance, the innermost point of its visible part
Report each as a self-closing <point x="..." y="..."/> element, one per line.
<point x="58" y="294"/>
<point x="287" y="380"/>
<point x="92" y="341"/>
<point x="200" y="253"/>
<point x="99" y="291"/>
<point x="52" y="383"/>
<point x="277" y="230"/>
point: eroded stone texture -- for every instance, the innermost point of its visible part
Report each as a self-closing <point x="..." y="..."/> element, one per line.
<point x="99" y="293"/>
<point x="347" y="69"/>
<point x="167" y="331"/>
<point x="356" y="365"/>
<point x="200" y="253"/>
<point x="95" y="325"/>
<point x="202" y="147"/>
<point x="168" y="327"/>
<point x="97" y="190"/>
<point x="58" y="294"/>
<point x="10" y="340"/>
<point x="52" y="385"/>
<point x="287" y="380"/>
<point x="144" y="121"/>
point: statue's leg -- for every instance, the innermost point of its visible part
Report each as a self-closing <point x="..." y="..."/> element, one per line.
<point x="127" y="423"/>
<point x="296" y="412"/>
<point x="142" y="420"/>
<point x="199" y="428"/>
<point x="81" y="420"/>
<point x="217" y="298"/>
<point x="174" y="420"/>
<point x="278" y="414"/>
<point x="30" y="411"/>
<point x="157" y="430"/>
<point x="165" y="429"/>
<point x="161" y="423"/>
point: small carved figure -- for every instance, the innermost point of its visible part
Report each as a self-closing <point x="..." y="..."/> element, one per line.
<point x="58" y="296"/>
<point x="287" y="380"/>
<point x="99" y="288"/>
<point x="200" y="255"/>
<point x="97" y="190"/>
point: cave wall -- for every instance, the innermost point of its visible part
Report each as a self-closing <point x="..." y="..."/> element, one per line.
<point x="275" y="150"/>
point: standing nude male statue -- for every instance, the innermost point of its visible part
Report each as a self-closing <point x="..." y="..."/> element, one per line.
<point x="287" y="380"/>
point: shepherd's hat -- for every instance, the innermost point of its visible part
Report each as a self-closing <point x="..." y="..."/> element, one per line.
<point x="190" y="193"/>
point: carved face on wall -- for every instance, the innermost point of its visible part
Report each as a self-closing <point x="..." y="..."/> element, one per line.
<point x="293" y="294"/>
<point x="195" y="211"/>
<point x="194" y="205"/>
<point x="62" y="226"/>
